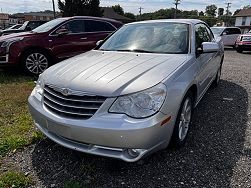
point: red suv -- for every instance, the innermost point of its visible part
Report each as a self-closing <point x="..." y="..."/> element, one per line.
<point x="54" y="41"/>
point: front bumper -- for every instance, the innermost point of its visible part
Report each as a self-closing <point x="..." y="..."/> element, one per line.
<point x="104" y="134"/>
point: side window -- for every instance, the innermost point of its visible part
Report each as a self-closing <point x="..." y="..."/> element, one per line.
<point x="96" y="26"/>
<point x="201" y="35"/>
<point x="109" y="27"/>
<point x="236" y="31"/>
<point x="75" y="26"/>
<point x="227" y="31"/>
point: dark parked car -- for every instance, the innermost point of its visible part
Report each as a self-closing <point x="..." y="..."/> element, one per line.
<point x="27" y="26"/>
<point x="16" y="26"/>
<point x="243" y="43"/>
<point x="54" y="41"/>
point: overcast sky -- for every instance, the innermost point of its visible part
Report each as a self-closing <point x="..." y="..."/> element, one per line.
<point x="14" y="6"/>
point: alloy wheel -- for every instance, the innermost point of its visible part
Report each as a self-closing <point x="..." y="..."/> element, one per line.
<point x="36" y="63"/>
<point x="185" y="118"/>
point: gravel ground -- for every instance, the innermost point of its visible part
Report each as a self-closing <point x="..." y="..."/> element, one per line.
<point x="217" y="154"/>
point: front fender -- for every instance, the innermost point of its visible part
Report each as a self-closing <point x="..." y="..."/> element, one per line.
<point x="177" y="87"/>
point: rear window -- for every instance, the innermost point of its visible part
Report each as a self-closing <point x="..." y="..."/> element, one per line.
<point x="246" y="38"/>
<point x="96" y="26"/>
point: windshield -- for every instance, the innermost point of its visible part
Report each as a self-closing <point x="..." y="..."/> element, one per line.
<point x="24" y="25"/>
<point x="217" y="30"/>
<point x="48" y="25"/>
<point x="149" y="38"/>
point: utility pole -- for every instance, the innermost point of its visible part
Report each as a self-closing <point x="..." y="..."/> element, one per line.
<point x="227" y="13"/>
<point x="177" y="2"/>
<point x="54" y="12"/>
<point x="228" y="6"/>
<point x="140" y="11"/>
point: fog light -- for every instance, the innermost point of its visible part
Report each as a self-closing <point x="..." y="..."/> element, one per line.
<point x="134" y="152"/>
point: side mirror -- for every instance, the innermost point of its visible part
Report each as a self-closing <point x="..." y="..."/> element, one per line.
<point x="224" y="33"/>
<point x="61" y="32"/>
<point x="99" y="42"/>
<point x="210" y="47"/>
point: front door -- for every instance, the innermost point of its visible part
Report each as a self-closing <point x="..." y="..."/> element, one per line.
<point x="204" y="60"/>
<point x="81" y="36"/>
<point x="70" y="43"/>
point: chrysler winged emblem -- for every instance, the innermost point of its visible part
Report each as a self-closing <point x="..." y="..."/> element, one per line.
<point x="65" y="92"/>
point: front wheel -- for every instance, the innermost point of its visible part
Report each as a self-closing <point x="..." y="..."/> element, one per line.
<point x="35" y="62"/>
<point x="239" y="50"/>
<point x="183" y="121"/>
<point x="216" y="82"/>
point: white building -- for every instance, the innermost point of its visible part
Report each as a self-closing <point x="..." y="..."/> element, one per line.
<point x="243" y="20"/>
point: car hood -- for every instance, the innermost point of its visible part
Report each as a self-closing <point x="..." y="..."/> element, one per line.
<point x="14" y="35"/>
<point x="112" y="73"/>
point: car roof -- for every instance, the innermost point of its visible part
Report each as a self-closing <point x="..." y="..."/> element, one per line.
<point x="92" y="17"/>
<point x="225" y="27"/>
<point x="186" y="21"/>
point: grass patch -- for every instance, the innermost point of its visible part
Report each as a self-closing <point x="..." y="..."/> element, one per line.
<point x="16" y="125"/>
<point x="14" y="179"/>
<point x="72" y="184"/>
<point x="10" y="77"/>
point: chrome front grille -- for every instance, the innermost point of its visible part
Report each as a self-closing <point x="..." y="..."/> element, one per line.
<point x="76" y="106"/>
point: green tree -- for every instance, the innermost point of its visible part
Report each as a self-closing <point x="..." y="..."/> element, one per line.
<point x="211" y="10"/>
<point x="201" y="13"/>
<point x="80" y="8"/>
<point x="237" y="11"/>
<point x="220" y="12"/>
<point x="118" y="9"/>
<point x="130" y="15"/>
<point x="247" y="7"/>
<point x="211" y="21"/>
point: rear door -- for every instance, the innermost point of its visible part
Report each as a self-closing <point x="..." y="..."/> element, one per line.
<point x="230" y="35"/>
<point x="235" y="32"/>
<point x="97" y="30"/>
<point x="205" y="61"/>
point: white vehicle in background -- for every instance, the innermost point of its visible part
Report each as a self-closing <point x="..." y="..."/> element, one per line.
<point x="228" y="35"/>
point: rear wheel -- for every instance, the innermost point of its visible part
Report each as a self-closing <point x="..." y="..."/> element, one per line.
<point x="35" y="62"/>
<point x="183" y="121"/>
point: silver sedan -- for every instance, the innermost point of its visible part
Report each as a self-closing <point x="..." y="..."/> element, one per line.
<point x="133" y="94"/>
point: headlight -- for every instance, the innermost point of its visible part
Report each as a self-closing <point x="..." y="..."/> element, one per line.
<point x="39" y="86"/>
<point x="8" y="42"/>
<point x="142" y="104"/>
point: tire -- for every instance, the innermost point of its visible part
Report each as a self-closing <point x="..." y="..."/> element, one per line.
<point x="216" y="81"/>
<point x="35" y="61"/>
<point x="183" y="121"/>
<point x="239" y="50"/>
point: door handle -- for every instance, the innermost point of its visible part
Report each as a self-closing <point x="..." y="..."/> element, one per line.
<point x="84" y="38"/>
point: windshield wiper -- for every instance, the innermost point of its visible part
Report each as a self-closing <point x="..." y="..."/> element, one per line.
<point x="135" y="50"/>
